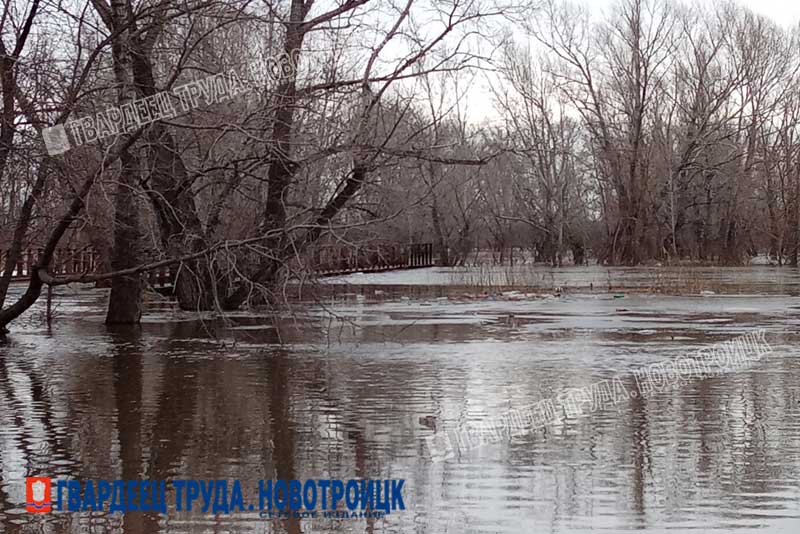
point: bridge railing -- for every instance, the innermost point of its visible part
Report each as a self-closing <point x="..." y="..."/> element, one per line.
<point x="326" y="260"/>
<point x="65" y="261"/>
<point x="340" y="259"/>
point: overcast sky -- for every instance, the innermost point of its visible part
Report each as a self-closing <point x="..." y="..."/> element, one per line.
<point x="786" y="12"/>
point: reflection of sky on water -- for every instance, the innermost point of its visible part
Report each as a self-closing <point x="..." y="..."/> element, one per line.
<point x="354" y="395"/>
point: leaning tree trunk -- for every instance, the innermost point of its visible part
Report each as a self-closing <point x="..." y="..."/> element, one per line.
<point x="181" y="230"/>
<point x="796" y="217"/>
<point x="124" y="305"/>
<point x="438" y="232"/>
<point x="170" y="192"/>
<point x="436" y="220"/>
<point x="281" y="170"/>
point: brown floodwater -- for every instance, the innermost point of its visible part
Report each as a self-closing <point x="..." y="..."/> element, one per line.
<point x="350" y="387"/>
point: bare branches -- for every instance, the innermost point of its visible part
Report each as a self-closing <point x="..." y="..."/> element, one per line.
<point x="655" y="131"/>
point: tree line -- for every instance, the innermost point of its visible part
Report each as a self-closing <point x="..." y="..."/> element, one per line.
<point x="657" y="131"/>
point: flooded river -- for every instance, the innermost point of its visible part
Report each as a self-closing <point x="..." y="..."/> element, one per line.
<point x="351" y="386"/>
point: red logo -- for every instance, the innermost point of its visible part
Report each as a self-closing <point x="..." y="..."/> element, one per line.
<point x="37" y="495"/>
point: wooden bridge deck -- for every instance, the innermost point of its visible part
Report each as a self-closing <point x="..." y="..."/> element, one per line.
<point x="334" y="260"/>
<point x="327" y="260"/>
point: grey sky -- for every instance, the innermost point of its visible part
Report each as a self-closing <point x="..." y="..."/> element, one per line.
<point x="786" y="12"/>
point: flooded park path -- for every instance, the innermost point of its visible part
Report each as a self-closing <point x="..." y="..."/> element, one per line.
<point x="351" y="387"/>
